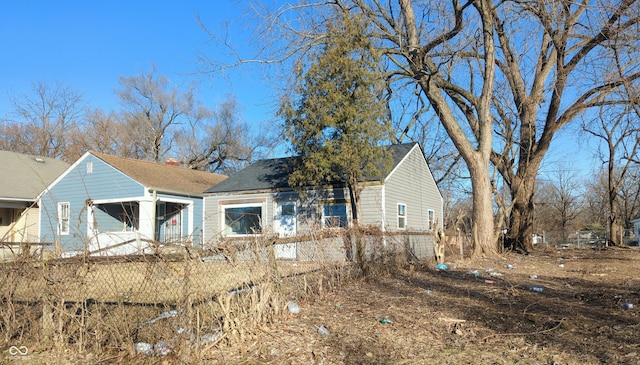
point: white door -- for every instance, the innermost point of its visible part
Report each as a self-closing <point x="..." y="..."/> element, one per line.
<point x="285" y="224"/>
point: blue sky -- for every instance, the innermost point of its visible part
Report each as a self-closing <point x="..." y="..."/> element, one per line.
<point x="88" y="45"/>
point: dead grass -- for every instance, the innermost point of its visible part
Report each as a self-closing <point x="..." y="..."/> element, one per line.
<point x="454" y="317"/>
<point x="479" y="311"/>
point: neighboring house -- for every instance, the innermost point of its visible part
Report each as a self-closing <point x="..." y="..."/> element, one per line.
<point x="636" y="228"/>
<point x="22" y="179"/>
<point x="259" y="200"/>
<point x="113" y="205"/>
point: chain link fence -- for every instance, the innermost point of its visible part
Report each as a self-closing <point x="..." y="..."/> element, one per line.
<point x="582" y="239"/>
<point x="177" y="299"/>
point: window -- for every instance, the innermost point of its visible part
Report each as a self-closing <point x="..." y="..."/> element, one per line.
<point x="242" y="219"/>
<point x="431" y="219"/>
<point x="334" y="215"/>
<point x="63" y="218"/>
<point x="89" y="167"/>
<point x="402" y="216"/>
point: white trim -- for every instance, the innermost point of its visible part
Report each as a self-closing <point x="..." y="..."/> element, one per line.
<point x="398" y="216"/>
<point x="62" y="232"/>
<point x="223" y="224"/>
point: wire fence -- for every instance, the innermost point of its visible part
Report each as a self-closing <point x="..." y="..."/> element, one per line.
<point x="582" y="239"/>
<point x="178" y="300"/>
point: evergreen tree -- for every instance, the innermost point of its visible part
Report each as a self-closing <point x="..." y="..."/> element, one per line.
<point x="335" y="119"/>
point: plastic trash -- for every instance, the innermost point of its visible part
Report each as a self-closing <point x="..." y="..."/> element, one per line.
<point x="488" y="281"/>
<point x="538" y="289"/>
<point x="627" y="305"/>
<point x="474" y="272"/>
<point x="386" y="321"/>
<point x="293" y="307"/>
<point x="509" y="266"/>
<point x="161" y="348"/>
<point x="533" y="276"/>
<point x="442" y="267"/>
<point x="143" y="348"/>
<point x="561" y="266"/>
<point x="428" y="291"/>
<point x="323" y="330"/>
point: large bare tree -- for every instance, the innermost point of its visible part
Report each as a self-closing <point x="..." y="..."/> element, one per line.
<point x="220" y="140"/>
<point x="154" y="111"/>
<point x="42" y="121"/>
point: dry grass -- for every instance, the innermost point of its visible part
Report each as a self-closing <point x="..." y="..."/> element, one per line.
<point x="213" y="312"/>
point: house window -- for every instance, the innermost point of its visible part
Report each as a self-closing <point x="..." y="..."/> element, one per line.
<point x="89" y="167"/>
<point x="242" y="219"/>
<point x="63" y="218"/>
<point x="402" y="216"/>
<point x="431" y="219"/>
<point x="334" y="215"/>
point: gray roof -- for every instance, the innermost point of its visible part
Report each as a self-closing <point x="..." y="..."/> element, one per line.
<point x="273" y="174"/>
<point x="23" y="176"/>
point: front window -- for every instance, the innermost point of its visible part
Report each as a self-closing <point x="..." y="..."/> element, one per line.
<point x="242" y="219"/>
<point x="63" y="218"/>
<point x="431" y="217"/>
<point x="402" y="216"/>
<point x="334" y="215"/>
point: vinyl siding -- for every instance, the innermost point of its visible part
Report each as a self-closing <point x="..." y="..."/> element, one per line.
<point x="308" y="217"/>
<point x="213" y="205"/>
<point x="371" y="204"/>
<point x="412" y="183"/>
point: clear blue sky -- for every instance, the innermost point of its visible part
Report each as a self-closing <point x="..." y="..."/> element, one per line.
<point x="88" y="45"/>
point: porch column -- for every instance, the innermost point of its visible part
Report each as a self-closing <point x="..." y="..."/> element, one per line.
<point x="147" y="218"/>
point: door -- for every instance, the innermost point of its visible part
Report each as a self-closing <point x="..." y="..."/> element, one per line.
<point x="285" y="224"/>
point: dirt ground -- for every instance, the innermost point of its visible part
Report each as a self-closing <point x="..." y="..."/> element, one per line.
<point x="476" y="312"/>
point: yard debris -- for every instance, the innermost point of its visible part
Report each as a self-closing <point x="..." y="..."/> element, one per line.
<point x="163" y="315"/>
<point x="293" y="307"/>
<point x="323" y="330"/>
<point x="535" y="288"/>
<point x="442" y="267"/>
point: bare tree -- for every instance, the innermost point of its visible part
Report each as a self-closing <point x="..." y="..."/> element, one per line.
<point x="43" y="119"/>
<point x="562" y="198"/>
<point x="619" y="132"/>
<point x="219" y="140"/>
<point x="154" y="111"/>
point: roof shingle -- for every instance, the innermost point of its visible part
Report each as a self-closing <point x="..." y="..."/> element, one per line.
<point x="272" y="174"/>
<point x="163" y="177"/>
<point x="25" y="176"/>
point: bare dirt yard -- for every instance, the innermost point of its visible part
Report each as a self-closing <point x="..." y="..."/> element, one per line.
<point x="480" y="311"/>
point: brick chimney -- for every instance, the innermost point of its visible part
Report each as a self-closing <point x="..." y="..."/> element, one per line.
<point x="172" y="162"/>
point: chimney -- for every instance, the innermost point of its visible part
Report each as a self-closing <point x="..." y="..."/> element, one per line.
<point x="172" y="162"/>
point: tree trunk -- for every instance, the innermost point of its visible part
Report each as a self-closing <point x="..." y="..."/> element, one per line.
<point x="520" y="230"/>
<point x="482" y="231"/>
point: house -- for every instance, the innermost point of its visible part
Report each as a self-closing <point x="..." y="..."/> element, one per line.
<point x="636" y="228"/>
<point x="259" y="200"/>
<point x="23" y="178"/>
<point x="108" y="205"/>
